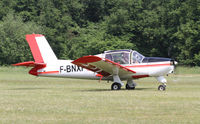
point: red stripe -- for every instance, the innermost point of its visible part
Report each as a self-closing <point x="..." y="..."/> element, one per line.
<point x="38" y="66"/>
<point x="48" y="72"/>
<point x="140" y="76"/>
<point x="34" y="47"/>
<point x="153" y="65"/>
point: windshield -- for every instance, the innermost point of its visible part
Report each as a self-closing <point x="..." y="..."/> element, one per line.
<point x="137" y="57"/>
<point x="119" y="57"/>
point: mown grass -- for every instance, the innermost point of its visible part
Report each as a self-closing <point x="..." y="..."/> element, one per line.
<point x="188" y="70"/>
<point x="28" y="99"/>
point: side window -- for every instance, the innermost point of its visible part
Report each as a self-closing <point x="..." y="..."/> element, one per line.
<point x="119" y="57"/>
<point x="126" y="58"/>
<point x="108" y="56"/>
<point x="137" y="57"/>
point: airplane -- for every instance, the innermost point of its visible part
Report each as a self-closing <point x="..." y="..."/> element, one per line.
<point x="112" y="65"/>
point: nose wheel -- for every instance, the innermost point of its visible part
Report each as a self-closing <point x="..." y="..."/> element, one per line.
<point x="162" y="80"/>
<point x="162" y="87"/>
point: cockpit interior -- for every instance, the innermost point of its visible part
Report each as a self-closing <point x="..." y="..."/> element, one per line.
<point x="124" y="56"/>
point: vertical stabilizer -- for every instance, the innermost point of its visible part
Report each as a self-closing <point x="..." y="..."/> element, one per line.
<point x="40" y="48"/>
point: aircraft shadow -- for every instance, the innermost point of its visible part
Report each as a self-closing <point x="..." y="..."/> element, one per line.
<point x="27" y="88"/>
<point x="87" y="90"/>
<point x="109" y="90"/>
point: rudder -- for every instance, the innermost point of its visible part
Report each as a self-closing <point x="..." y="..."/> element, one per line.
<point x="40" y="48"/>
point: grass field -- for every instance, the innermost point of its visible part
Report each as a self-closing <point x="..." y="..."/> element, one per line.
<point x="28" y="99"/>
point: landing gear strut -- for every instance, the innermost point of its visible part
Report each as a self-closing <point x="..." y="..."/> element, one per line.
<point x="117" y="83"/>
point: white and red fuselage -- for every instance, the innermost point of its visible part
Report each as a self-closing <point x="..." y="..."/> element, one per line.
<point x="65" y="68"/>
<point x="110" y="65"/>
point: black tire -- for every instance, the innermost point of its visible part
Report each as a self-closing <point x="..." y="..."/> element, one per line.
<point x="116" y="86"/>
<point x="162" y="87"/>
<point x="129" y="88"/>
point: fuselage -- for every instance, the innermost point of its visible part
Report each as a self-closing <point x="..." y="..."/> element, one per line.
<point x="66" y="69"/>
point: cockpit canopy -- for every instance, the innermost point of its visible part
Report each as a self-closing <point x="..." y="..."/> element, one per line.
<point x="124" y="56"/>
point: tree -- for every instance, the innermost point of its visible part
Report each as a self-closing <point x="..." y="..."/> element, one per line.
<point x="167" y="28"/>
<point x="95" y="40"/>
<point x="13" y="47"/>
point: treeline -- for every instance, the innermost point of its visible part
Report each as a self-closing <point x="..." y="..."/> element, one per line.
<point x="74" y="28"/>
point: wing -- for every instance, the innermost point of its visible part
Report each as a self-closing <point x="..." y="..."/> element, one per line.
<point x="101" y="66"/>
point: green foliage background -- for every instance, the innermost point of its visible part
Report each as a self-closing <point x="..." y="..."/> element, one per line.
<point x="74" y="28"/>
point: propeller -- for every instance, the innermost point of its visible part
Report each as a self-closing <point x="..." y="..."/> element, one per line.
<point x="176" y="70"/>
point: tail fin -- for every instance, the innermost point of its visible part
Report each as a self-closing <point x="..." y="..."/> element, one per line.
<point x="40" y="48"/>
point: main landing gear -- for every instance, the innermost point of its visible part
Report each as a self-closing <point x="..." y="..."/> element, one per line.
<point x="118" y="84"/>
<point x="130" y="84"/>
<point x="129" y="88"/>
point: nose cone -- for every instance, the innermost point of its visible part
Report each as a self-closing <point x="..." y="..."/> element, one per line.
<point x="173" y="62"/>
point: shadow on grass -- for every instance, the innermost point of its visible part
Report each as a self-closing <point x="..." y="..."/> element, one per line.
<point x="28" y="88"/>
<point x="109" y="90"/>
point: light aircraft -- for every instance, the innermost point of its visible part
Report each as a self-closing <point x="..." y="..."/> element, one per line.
<point x="114" y="65"/>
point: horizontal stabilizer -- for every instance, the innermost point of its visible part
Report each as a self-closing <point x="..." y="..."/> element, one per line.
<point x="30" y="64"/>
<point x="36" y="66"/>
